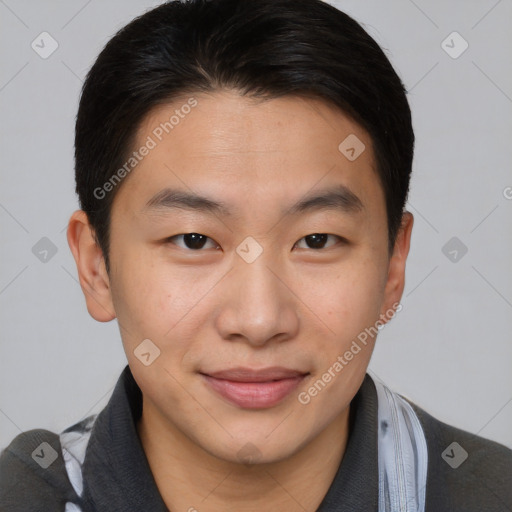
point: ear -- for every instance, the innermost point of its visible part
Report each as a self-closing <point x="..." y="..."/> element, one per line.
<point x="90" y="264"/>
<point x="396" y="271"/>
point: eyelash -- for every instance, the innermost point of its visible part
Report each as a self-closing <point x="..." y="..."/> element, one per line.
<point x="169" y="240"/>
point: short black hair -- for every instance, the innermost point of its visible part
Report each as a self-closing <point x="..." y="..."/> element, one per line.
<point x="260" y="48"/>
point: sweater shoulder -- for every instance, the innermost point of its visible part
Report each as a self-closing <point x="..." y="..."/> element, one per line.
<point x="33" y="475"/>
<point x="466" y="472"/>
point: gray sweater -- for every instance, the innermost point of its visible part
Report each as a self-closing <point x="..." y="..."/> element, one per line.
<point x="117" y="476"/>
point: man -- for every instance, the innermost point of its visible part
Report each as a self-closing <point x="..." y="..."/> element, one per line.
<point x="242" y="169"/>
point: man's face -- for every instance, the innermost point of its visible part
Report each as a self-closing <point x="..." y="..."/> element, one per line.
<point x="260" y="285"/>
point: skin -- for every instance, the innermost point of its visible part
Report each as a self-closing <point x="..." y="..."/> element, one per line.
<point x="297" y="305"/>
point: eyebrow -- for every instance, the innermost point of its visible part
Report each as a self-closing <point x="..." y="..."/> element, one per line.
<point x="339" y="198"/>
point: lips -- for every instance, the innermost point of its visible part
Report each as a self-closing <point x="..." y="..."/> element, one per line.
<point x="254" y="389"/>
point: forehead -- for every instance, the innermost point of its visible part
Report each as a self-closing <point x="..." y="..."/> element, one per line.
<point x="250" y="151"/>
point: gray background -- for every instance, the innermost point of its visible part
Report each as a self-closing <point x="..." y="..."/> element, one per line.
<point x="449" y="349"/>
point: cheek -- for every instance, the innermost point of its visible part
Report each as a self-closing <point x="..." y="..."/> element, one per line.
<point x="349" y="301"/>
<point x="351" y="305"/>
<point x="141" y="298"/>
<point x="162" y="302"/>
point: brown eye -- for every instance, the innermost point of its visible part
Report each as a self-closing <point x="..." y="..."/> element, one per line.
<point x="317" y="241"/>
<point x="192" y="241"/>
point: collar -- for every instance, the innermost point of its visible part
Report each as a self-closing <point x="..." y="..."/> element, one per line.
<point x="117" y="475"/>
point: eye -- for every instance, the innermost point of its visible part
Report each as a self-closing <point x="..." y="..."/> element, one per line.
<point x="317" y="240"/>
<point x="193" y="241"/>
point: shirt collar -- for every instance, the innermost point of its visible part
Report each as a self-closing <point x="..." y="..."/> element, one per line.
<point x="117" y="475"/>
<point x="356" y="483"/>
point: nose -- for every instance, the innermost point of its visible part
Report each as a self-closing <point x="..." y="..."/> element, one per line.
<point x="258" y="304"/>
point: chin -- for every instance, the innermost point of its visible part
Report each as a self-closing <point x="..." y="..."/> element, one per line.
<point x="251" y="450"/>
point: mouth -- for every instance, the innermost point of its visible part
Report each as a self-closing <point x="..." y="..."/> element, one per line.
<point x="254" y="389"/>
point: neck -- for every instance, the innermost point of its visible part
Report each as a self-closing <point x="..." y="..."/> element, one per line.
<point x="189" y="478"/>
